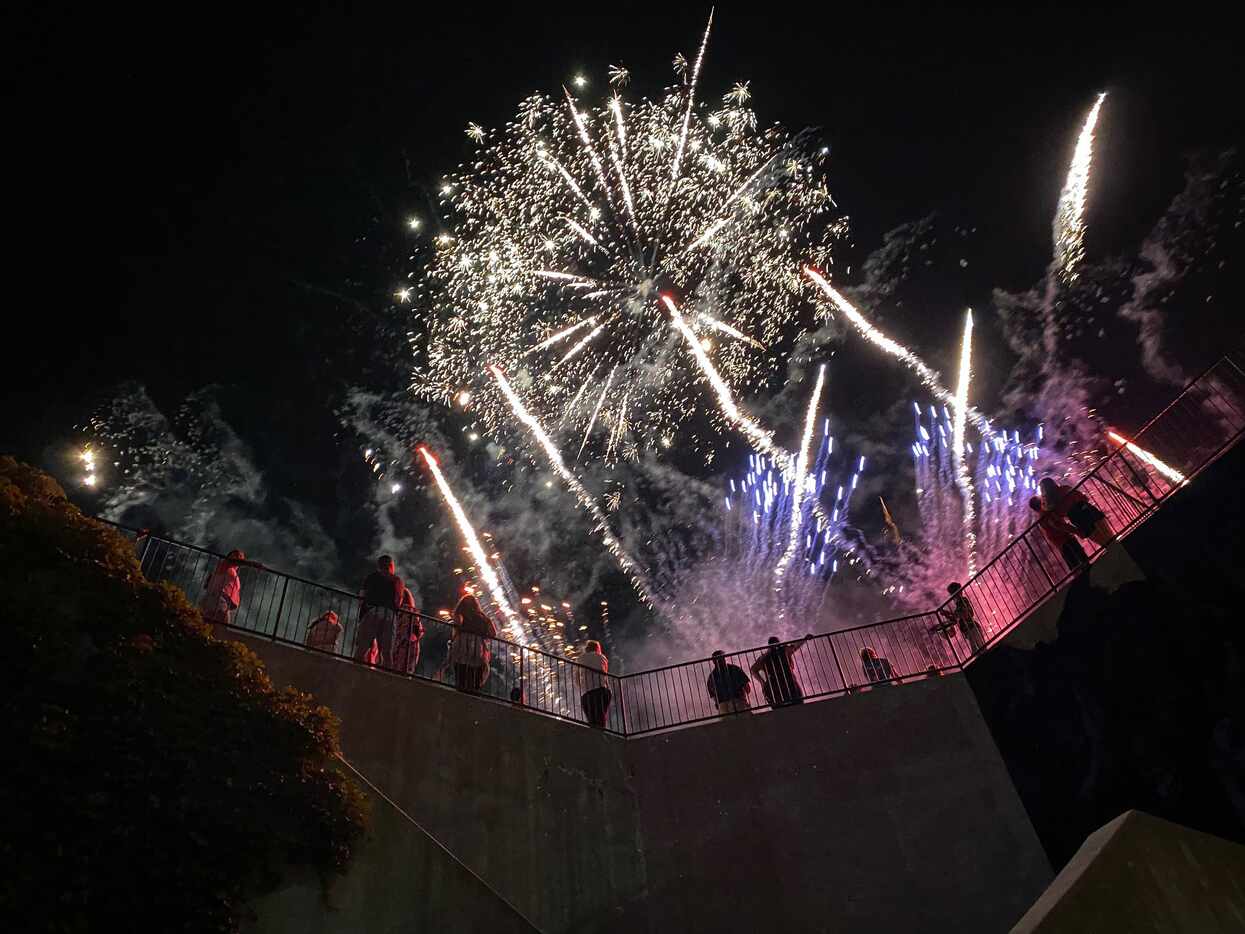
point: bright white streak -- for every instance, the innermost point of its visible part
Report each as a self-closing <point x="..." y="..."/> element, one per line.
<point x="554" y="274"/>
<point x="592" y="421"/>
<point x="708" y="234"/>
<point x="897" y="350"/>
<point x="719" y="224"/>
<point x="1069" y="226"/>
<point x="618" y="166"/>
<point x="1171" y="473"/>
<point x="727" y="329"/>
<point x="761" y="439"/>
<point x="478" y="553"/>
<point x="584" y="138"/>
<point x="962" y="476"/>
<point x="801" y="469"/>
<point x="566" y="176"/>
<point x="691" y="98"/>
<point x="580" y="345"/>
<point x="616" y="106"/>
<point x="561" y="335"/>
<point x="619" y="425"/>
<point x="582" y="232"/>
<point x="625" y="561"/>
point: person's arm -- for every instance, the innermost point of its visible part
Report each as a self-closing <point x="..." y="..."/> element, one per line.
<point x="756" y="666"/>
<point x="796" y="646"/>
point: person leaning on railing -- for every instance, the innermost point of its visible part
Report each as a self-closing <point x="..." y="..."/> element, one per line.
<point x="774" y="670"/>
<point x="596" y="697"/>
<point x="960" y="615"/>
<point x="407" y="635"/>
<point x="222" y="591"/>
<point x="877" y="669"/>
<point x="1088" y="520"/>
<point x="378" y="614"/>
<point x="1061" y="534"/>
<point x="728" y="686"/>
<point x="471" y="651"/>
<point x="324" y="632"/>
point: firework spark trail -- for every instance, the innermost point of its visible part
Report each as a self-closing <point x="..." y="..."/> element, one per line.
<point x="562" y="334"/>
<point x="583" y="233"/>
<point x="761" y="439"/>
<point x="798" y="476"/>
<point x="579" y="345"/>
<point x="620" y="426"/>
<point x="1069" y="227"/>
<point x="586" y="140"/>
<point x="963" y="479"/>
<point x="691" y="99"/>
<point x="566" y="176"/>
<point x="615" y="158"/>
<point x="638" y="578"/>
<point x="1171" y="473"/>
<point x="728" y="330"/>
<point x="478" y="554"/>
<point x="723" y="221"/>
<point x="927" y="376"/>
<point x="592" y="421"/>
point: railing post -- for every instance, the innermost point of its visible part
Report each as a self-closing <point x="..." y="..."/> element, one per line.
<point x="835" y="656"/>
<point x="1038" y="561"/>
<point x="1141" y="482"/>
<point x="285" y="583"/>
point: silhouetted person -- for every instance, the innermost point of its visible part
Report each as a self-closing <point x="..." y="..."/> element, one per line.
<point x="728" y="686"/>
<point x="1070" y="503"/>
<point x="409" y="631"/>
<point x="378" y="616"/>
<point x="876" y="669"/>
<point x="596" y="697"/>
<point x="1061" y="535"/>
<point x="471" y="651"/>
<point x="324" y="632"/>
<point x="222" y="591"/>
<point x="774" y="669"/>
<point x="959" y="614"/>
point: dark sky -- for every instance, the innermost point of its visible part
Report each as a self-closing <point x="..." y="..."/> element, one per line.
<point x="184" y="180"/>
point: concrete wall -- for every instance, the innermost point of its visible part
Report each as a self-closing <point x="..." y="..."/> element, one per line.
<point x="888" y="809"/>
<point x="400" y="880"/>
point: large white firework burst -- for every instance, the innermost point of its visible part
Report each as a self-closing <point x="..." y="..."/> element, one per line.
<point x="561" y="236"/>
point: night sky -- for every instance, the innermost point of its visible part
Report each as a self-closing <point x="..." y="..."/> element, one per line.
<point x="221" y="199"/>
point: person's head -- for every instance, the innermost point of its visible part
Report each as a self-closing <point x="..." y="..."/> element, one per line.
<point x="236" y="555"/>
<point x="385" y="564"/>
<point x="1049" y="488"/>
<point x="867" y="654"/>
<point x="773" y="640"/>
<point x="1035" y="503"/>
<point x="330" y="617"/>
<point x="719" y="659"/>
<point x="592" y="646"/>
<point x="468" y="608"/>
<point x="953" y="588"/>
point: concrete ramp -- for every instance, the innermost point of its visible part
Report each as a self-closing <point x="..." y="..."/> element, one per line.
<point x="1139" y="874"/>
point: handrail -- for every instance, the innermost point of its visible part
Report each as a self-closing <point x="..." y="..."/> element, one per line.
<point x="664" y="697"/>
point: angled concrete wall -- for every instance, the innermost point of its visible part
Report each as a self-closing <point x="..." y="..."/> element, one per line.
<point x="889" y="809"/>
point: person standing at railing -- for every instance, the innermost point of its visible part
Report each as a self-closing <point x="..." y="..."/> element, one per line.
<point x="959" y="614"/>
<point x="1088" y="520"/>
<point x="728" y="686"/>
<point x="877" y="670"/>
<point x="1061" y="534"/>
<point x="596" y="697"/>
<point x="378" y="614"/>
<point x="471" y="651"/>
<point x="774" y="669"/>
<point x="324" y="632"/>
<point x="222" y="591"/>
<point x="409" y="631"/>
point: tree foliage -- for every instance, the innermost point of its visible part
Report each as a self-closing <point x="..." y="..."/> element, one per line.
<point x="155" y="779"/>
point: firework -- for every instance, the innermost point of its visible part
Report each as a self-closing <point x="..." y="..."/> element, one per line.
<point x="478" y="554"/>
<point x="1069" y="226"/>
<point x="625" y="561"/>
<point x="963" y="479"/>
<point x="561" y="234"/>
<point x="799" y="476"/>
<point x="930" y="378"/>
<point x="1171" y="473"/>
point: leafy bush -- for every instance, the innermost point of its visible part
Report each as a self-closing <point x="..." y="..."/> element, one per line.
<point x="155" y="779"/>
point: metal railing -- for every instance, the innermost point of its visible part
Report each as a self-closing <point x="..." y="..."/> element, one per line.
<point x="282" y="608"/>
<point x="1127" y="486"/>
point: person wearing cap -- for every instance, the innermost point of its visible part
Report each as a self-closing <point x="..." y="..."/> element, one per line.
<point x="378" y="614"/>
<point x="774" y="668"/>
<point x="728" y="686"/>
<point x="324" y="632"/>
